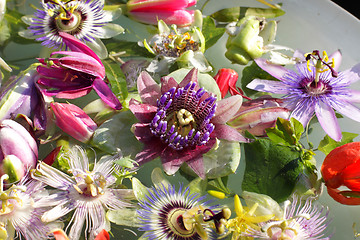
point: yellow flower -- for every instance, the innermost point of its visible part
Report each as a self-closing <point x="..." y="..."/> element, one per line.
<point x="245" y="219"/>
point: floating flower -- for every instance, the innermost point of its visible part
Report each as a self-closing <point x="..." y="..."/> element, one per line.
<point x="300" y="221"/>
<point x="74" y="121"/>
<point x="85" y="20"/>
<point x="87" y="193"/>
<point x="180" y="122"/>
<point x="170" y="11"/>
<point x="341" y="168"/>
<point x="18" y="150"/>
<point x="316" y="87"/>
<point x="19" y="213"/>
<point x="181" y="46"/>
<point x="168" y="214"/>
<point x="75" y="74"/>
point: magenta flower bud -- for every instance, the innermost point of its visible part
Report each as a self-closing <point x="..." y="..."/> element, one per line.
<point x="75" y="74"/>
<point x="74" y="121"/>
<point x="259" y="114"/>
<point x="18" y="150"/>
<point x="170" y="11"/>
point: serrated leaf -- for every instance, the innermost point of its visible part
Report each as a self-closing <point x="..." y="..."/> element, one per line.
<point x="327" y="144"/>
<point x="211" y="33"/>
<point x="271" y="169"/>
<point x="117" y="79"/>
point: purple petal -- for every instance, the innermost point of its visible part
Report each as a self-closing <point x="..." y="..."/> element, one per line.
<point x="351" y="75"/>
<point x="276" y="71"/>
<point x="148" y="89"/>
<point x="226" y="108"/>
<point x="190" y="77"/>
<point x="303" y="112"/>
<point x="151" y="151"/>
<point x="105" y="93"/>
<point x="352" y="96"/>
<point x="143" y="112"/>
<point x="229" y="133"/>
<point x="143" y="134"/>
<point x="167" y="83"/>
<point x="268" y="86"/>
<point x="348" y="110"/>
<point x="197" y="165"/>
<point x="328" y="120"/>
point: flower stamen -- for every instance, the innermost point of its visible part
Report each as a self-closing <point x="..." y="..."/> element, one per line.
<point x="10" y="194"/>
<point x="321" y="64"/>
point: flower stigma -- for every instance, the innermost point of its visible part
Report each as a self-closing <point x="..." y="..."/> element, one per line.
<point x="7" y="196"/>
<point x="321" y="64"/>
<point x="90" y="184"/>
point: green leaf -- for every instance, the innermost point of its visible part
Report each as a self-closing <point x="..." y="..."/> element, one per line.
<point x="115" y="134"/>
<point x="271" y="169"/>
<point x="286" y="132"/>
<point x="328" y="144"/>
<point x="236" y="13"/>
<point x="250" y="73"/>
<point x="126" y="162"/>
<point x="219" y="184"/>
<point x="130" y="48"/>
<point x="211" y="33"/>
<point x="117" y="79"/>
<point x="125" y="217"/>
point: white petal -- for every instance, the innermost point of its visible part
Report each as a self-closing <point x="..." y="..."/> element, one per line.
<point x="328" y="120"/>
<point x="55" y="213"/>
<point x="28" y="19"/>
<point x="199" y="61"/>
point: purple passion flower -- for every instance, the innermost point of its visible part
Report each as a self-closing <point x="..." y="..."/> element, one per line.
<point x="180" y="122"/>
<point x="315" y="87"/>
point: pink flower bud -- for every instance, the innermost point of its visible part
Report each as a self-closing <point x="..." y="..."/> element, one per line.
<point x="18" y="150"/>
<point x="74" y="121"/>
<point x="170" y="11"/>
<point x="258" y="114"/>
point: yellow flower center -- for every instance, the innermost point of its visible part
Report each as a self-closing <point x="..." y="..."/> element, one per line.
<point x="91" y="185"/>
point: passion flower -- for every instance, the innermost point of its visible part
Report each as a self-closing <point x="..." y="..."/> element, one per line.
<point x="181" y="122"/>
<point x="316" y="87"/>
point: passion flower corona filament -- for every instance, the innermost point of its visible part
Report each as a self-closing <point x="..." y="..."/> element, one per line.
<point x="183" y="117"/>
